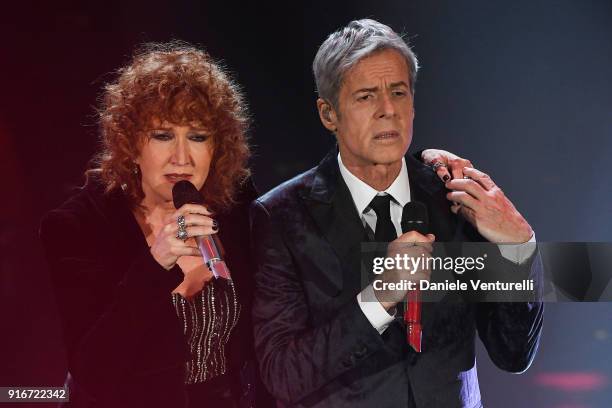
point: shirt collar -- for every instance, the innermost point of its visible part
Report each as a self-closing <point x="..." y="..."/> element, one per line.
<point x="363" y="194"/>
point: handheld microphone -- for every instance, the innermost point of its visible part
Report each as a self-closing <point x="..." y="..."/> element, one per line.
<point x="183" y="193"/>
<point x="414" y="218"/>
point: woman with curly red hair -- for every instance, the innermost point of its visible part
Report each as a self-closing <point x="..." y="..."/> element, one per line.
<point x="144" y="321"/>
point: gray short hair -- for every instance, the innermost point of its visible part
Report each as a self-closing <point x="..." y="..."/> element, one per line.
<point x="347" y="46"/>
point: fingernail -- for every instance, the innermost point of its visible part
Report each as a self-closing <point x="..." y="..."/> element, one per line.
<point x="446" y="177"/>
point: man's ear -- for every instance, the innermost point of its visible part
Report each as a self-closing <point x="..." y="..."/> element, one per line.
<point x="327" y="114"/>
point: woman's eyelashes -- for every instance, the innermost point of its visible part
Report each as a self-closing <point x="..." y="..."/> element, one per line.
<point x="162" y="136"/>
<point x="200" y="137"/>
<point x="166" y="136"/>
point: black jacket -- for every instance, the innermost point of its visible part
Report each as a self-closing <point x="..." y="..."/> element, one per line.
<point x="315" y="346"/>
<point x="124" y="341"/>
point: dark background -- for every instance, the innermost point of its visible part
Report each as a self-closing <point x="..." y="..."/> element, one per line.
<point x="523" y="89"/>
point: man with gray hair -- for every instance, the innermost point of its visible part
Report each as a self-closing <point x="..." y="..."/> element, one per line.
<point x="322" y="338"/>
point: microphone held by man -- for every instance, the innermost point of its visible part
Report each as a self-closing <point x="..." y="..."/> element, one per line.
<point x="414" y="242"/>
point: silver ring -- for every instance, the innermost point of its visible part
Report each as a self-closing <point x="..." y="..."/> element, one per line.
<point x="437" y="165"/>
<point x="467" y="177"/>
<point x="182" y="228"/>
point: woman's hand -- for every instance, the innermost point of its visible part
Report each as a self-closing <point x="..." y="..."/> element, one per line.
<point x="487" y="208"/>
<point x="167" y="248"/>
<point x="446" y="164"/>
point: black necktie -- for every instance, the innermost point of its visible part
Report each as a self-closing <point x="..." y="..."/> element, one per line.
<point x="385" y="231"/>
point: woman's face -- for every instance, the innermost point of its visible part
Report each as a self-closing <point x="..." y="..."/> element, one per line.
<point x="171" y="153"/>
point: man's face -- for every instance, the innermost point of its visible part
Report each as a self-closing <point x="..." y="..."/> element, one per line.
<point x="375" y="113"/>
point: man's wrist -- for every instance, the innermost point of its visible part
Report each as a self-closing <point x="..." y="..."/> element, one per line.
<point x="518" y="253"/>
<point x="378" y="316"/>
<point x="387" y="305"/>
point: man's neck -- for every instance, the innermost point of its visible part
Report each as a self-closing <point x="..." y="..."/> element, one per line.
<point x="377" y="176"/>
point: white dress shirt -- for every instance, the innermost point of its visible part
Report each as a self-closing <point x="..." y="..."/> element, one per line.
<point x="362" y="195"/>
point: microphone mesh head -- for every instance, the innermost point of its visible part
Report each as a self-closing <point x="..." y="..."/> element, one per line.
<point x="415" y="217"/>
<point x="184" y="192"/>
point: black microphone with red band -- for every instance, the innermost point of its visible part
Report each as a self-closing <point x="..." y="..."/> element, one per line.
<point x="183" y="193"/>
<point x="414" y="218"/>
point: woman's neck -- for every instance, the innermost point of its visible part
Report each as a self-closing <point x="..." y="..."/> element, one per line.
<point x="152" y="216"/>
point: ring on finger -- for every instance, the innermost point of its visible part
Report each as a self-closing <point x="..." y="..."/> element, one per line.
<point x="182" y="228"/>
<point x="435" y="166"/>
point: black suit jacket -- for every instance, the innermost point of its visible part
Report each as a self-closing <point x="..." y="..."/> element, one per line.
<point x="124" y="341"/>
<point x="314" y="344"/>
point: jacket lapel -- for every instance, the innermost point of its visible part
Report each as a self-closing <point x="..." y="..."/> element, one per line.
<point x="426" y="187"/>
<point x="331" y="206"/>
<point x="115" y="209"/>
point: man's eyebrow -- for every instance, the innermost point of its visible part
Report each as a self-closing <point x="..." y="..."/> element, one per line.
<point x="397" y="84"/>
<point x="375" y="88"/>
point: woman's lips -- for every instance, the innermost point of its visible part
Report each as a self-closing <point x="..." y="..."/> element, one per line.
<point x="175" y="178"/>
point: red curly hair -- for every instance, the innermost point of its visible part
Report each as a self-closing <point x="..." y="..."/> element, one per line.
<point x="181" y="84"/>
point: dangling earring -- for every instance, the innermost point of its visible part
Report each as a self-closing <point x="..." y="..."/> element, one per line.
<point x="135" y="169"/>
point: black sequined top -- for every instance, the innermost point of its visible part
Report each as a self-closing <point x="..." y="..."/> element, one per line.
<point x="208" y="319"/>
